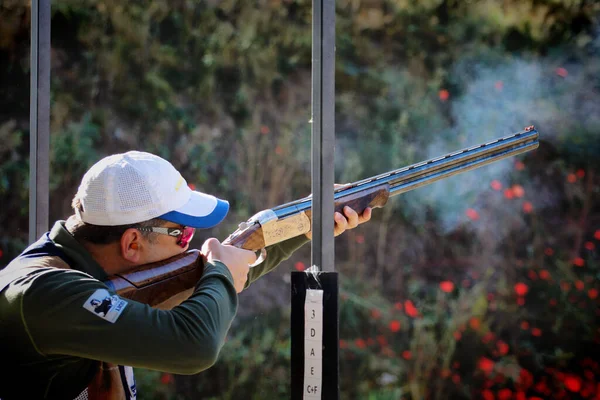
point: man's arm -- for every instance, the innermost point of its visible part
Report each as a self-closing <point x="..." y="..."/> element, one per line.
<point x="280" y="252"/>
<point x="184" y="340"/>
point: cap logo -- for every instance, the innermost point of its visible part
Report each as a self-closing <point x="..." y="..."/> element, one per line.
<point x="179" y="183"/>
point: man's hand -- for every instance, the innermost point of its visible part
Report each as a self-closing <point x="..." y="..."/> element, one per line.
<point x="349" y="220"/>
<point x="237" y="260"/>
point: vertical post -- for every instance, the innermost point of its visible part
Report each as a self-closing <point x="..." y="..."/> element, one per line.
<point x="315" y="312"/>
<point x="39" y="119"/>
<point x="323" y="133"/>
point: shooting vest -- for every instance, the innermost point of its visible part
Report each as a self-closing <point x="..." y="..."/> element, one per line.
<point x="110" y="381"/>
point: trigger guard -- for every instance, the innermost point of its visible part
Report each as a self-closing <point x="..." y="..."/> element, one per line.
<point x="260" y="259"/>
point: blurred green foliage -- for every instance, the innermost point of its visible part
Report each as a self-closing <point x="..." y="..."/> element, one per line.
<point x="222" y="89"/>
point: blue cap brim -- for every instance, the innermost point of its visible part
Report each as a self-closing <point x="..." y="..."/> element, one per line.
<point x="201" y="222"/>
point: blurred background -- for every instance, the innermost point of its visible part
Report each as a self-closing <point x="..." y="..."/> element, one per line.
<point x="482" y="286"/>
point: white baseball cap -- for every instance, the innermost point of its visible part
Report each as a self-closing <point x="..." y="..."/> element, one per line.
<point x="133" y="187"/>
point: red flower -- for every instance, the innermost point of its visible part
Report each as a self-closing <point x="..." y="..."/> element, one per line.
<point x="544" y="274"/>
<point x="579" y="285"/>
<point x="264" y="130"/>
<point x="166" y="378"/>
<point x="504" y="394"/>
<point x="521" y="289"/>
<point x="548" y="251"/>
<point x="532" y="275"/>
<point x="299" y="266"/>
<point x="580" y="173"/>
<point x="360" y="343"/>
<point x="475" y="323"/>
<point x="589" y="245"/>
<point x="444" y="95"/>
<point x="562" y="72"/>
<point x="488" y="337"/>
<point x="573" y="383"/>
<point x="486" y="365"/>
<point x="472" y="214"/>
<point x="487" y="394"/>
<point x="502" y="347"/>
<point x="541" y="386"/>
<point x="527" y="207"/>
<point x="597" y="235"/>
<point x="593" y="293"/>
<point x="579" y="262"/>
<point x="508" y="193"/>
<point x="394" y="326"/>
<point x="525" y="379"/>
<point x="571" y="178"/>
<point x="410" y="309"/>
<point x="519" y="166"/>
<point x="406" y="354"/>
<point x="456" y="379"/>
<point x="447" y="286"/>
<point x="536" y="332"/>
<point x="518" y="190"/>
<point x="524" y="325"/>
<point x="496" y="185"/>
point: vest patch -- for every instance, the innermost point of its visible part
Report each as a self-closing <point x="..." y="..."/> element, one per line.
<point x="105" y="305"/>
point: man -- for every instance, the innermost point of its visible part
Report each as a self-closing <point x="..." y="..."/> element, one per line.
<point x="65" y="335"/>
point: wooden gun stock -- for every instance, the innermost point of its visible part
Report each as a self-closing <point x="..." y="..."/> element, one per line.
<point x="167" y="283"/>
<point x="163" y="284"/>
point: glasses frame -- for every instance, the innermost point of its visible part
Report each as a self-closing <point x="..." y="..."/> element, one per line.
<point x="174" y="232"/>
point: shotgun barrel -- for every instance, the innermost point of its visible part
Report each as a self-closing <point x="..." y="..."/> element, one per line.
<point x="292" y="219"/>
<point x="426" y="172"/>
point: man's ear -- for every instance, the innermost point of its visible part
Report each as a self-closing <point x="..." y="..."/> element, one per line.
<point x="131" y="245"/>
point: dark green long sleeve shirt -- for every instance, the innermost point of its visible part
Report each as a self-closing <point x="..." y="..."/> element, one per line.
<point x="53" y="344"/>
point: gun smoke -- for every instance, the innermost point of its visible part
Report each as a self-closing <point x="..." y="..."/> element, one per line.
<point x="498" y="101"/>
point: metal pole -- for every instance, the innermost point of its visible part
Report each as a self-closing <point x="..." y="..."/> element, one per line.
<point x="39" y="119"/>
<point x="315" y="311"/>
<point x="323" y="133"/>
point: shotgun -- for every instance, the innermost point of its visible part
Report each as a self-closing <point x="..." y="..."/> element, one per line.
<point x="167" y="283"/>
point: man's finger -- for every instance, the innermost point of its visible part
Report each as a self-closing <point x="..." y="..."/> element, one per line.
<point x="352" y="217"/>
<point x="340" y="223"/>
<point x="365" y="216"/>
<point x="250" y="256"/>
